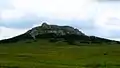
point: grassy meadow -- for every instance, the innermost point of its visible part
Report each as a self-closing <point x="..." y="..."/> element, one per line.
<point x="43" y="54"/>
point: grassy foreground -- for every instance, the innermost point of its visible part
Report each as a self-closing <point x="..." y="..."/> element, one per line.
<point x="43" y="54"/>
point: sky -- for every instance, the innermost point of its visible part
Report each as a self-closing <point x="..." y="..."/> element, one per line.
<point x="93" y="17"/>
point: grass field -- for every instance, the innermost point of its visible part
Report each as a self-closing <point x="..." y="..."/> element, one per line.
<point x="43" y="54"/>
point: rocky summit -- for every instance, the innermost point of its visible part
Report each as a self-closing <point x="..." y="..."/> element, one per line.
<point x="58" y="30"/>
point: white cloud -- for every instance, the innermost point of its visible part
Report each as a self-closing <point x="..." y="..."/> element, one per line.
<point x="59" y="9"/>
<point x="67" y="9"/>
<point x="6" y="4"/>
<point x="107" y="19"/>
<point x="11" y="14"/>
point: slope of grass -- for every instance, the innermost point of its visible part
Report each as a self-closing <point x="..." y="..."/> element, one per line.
<point x="43" y="54"/>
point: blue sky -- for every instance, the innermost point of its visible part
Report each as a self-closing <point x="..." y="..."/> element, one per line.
<point x="93" y="17"/>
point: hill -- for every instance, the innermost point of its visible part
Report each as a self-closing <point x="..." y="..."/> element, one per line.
<point x="41" y="47"/>
<point x="55" y="33"/>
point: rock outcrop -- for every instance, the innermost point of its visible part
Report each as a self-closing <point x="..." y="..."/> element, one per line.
<point x="58" y="30"/>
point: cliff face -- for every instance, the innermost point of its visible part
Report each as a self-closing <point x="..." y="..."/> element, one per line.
<point x="58" y="30"/>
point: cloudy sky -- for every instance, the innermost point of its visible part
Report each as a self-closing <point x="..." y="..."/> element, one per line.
<point x="93" y="17"/>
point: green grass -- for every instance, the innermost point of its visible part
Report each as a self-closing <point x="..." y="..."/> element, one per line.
<point x="43" y="54"/>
